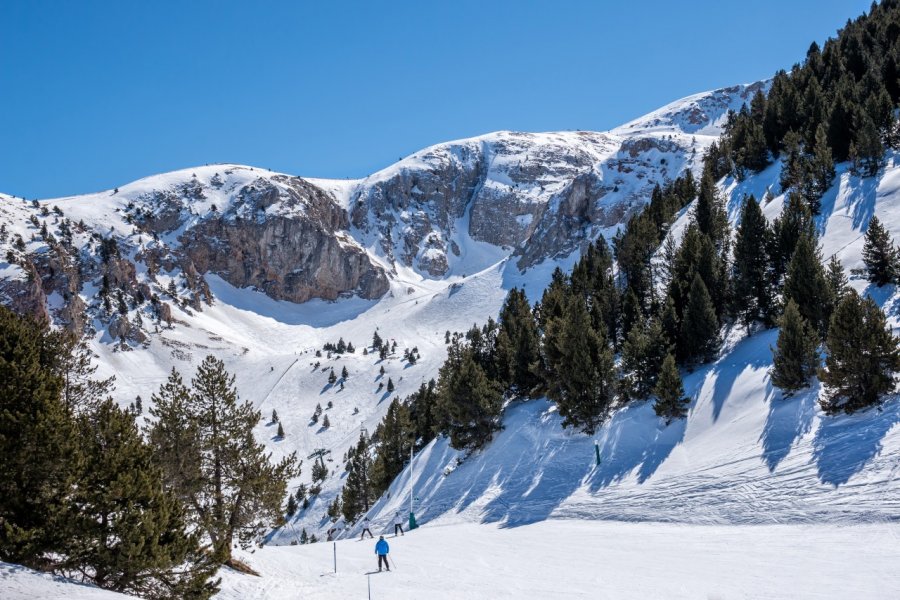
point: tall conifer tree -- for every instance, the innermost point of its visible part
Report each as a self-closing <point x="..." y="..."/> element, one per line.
<point x="862" y="357"/>
<point x="795" y="357"/>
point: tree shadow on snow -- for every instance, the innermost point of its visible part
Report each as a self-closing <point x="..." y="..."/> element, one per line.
<point x="534" y="465"/>
<point x="752" y="352"/>
<point x="844" y="444"/>
<point x="881" y="295"/>
<point x="788" y="420"/>
<point x="862" y="190"/>
<point x="635" y="438"/>
<point x="520" y="477"/>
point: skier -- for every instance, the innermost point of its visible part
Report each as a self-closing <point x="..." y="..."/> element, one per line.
<point x="382" y="549"/>
<point x="398" y="523"/>
<point x="365" y="529"/>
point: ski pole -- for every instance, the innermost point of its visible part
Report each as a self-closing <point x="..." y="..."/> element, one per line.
<point x="393" y="564"/>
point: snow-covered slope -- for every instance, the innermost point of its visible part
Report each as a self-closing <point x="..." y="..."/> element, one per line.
<point x="215" y="259"/>
<point x="451" y="229"/>
<point x="20" y="583"/>
<point x="745" y="454"/>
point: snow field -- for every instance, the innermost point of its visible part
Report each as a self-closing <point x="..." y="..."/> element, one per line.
<point x="588" y="559"/>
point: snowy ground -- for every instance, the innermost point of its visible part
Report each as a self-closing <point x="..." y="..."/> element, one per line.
<point x="590" y="559"/>
<point x="19" y="583"/>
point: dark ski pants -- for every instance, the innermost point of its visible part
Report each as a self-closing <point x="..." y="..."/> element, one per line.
<point x="383" y="558"/>
<point x="398" y="527"/>
<point x="365" y="531"/>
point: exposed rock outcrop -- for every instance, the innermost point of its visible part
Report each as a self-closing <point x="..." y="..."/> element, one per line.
<point x="294" y="253"/>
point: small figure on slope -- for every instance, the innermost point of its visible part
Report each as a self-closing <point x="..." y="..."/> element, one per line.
<point x="382" y="549"/>
<point x="365" y="530"/>
<point x="398" y="523"/>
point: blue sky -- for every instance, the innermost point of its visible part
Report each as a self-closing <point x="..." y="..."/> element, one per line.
<point x="97" y="94"/>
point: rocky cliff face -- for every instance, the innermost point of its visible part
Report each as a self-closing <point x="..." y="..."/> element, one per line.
<point x="299" y="251"/>
<point x="533" y="196"/>
<point x="537" y="195"/>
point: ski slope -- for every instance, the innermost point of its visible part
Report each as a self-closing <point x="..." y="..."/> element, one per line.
<point x="588" y="559"/>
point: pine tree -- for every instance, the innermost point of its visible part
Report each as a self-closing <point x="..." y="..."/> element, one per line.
<point x="868" y="148"/>
<point x="795" y="357"/>
<point x="670" y="401"/>
<point x="822" y="163"/>
<point x="334" y="510"/>
<point x="553" y="300"/>
<point x="344" y="373"/>
<point x="879" y="254"/>
<point x="395" y="433"/>
<point x="422" y="409"/>
<point x="175" y="439"/>
<point x="390" y="386"/>
<point x="73" y="363"/>
<point x="583" y="380"/>
<point x="274" y="416"/>
<point x="710" y="215"/>
<point x="837" y="282"/>
<point x="518" y="345"/>
<point x="280" y="434"/>
<point x="130" y="533"/>
<point x="793" y="160"/>
<point x="316" y="413"/>
<point x="750" y="272"/>
<point x="795" y="220"/>
<point x="38" y="444"/>
<point x="470" y="403"/>
<point x="862" y="356"/>
<point x="325" y="422"/>
<point x="239" y="492"/>
<point x="291" y="508"/>
<point x="332" y="378"/>
<point x="643" y="353"/>
<point x="805" y="284"/>
<point x="699" y="337"/>
<point x="319" y="470"/>
<point x="634" y="248"/>
<point x="358" y="493"/>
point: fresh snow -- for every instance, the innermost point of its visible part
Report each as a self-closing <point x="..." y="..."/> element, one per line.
<point x="588" y="559"/>
<point x="20" y="583"/>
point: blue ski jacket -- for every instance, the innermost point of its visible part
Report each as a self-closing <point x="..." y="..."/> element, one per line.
<point x="382" y="547"/>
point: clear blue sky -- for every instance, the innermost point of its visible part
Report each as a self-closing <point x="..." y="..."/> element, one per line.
<point x="97" y="94"/>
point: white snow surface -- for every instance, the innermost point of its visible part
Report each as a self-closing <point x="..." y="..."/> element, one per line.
<point x="21" y="583"/>
<point x="588" y="559"/>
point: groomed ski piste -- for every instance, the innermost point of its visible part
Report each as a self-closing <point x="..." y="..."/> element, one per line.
<point x="752" y="496"/>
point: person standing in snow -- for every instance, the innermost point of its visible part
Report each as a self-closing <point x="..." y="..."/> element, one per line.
<point x="365" y="529"/>
<point x="398" y="523"/>
<point x="382" y="549"/>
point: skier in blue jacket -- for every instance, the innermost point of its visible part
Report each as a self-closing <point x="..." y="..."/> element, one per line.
<point x="382" y="549"/>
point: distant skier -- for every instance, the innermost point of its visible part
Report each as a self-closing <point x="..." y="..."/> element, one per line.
<point x="365" y="529"/>
<point x="382" y="549"/>
<point x="398" y="523"/>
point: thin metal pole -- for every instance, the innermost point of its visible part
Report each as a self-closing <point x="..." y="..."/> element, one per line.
<point x="411" y="446"/>
<point x="369" y="580"/>
<point x="335" y="557"/>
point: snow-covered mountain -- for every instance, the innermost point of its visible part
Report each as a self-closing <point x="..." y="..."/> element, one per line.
<point x="262" y="269"/>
